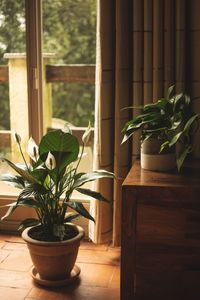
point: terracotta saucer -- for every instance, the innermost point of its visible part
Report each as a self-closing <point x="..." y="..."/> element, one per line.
<point x="73" y="276"/>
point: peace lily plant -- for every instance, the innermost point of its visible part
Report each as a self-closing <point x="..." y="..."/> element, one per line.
<point x="170" y="120"/>
<point x="47" y="182"/>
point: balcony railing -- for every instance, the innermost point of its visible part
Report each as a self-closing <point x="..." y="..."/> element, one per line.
<point x="70" y="73"/>
<point x="80" y="73"/>
<point x="61" y="73"/>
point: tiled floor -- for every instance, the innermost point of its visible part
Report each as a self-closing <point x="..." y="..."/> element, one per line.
<point x="99" y="278"/>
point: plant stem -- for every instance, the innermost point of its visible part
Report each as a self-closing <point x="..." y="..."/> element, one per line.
<point x="83" y="146"/>
<point x="23" y="156"/>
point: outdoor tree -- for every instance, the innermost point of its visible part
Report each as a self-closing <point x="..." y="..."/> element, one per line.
<point x="12" y="39"/>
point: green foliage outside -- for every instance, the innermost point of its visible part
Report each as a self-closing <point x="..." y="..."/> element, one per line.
<point x="12" y="39"/>
<point x="69" y="30"/>
<point x="74" y="102"/>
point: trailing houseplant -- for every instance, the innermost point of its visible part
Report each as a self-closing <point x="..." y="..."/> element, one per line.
<point x="47" y="183"/>
<point x="167" y="122"/>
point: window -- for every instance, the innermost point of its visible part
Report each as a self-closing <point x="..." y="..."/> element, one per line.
<point x="13" y="91"/>
<point x="60" y="77"/>
<point x="69" y="33"/>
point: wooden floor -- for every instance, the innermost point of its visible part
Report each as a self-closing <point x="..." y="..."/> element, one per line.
<point x="99" y="278"/>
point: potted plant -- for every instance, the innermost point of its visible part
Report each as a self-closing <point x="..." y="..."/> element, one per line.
<point x="47" y="183"/>
<point x="163" y="125"/>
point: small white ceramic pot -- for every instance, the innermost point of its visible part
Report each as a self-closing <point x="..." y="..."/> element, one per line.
<point x="152" y="160"/>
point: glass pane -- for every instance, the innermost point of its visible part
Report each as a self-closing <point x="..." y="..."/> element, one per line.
<point x="13" y="89"/>
<point x="69" y="31"/>
<point x="73" y="102"/>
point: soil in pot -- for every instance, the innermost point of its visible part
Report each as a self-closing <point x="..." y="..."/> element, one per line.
<point x="41" y="233"/>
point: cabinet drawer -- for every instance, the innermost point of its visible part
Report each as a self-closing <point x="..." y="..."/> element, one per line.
<point x="167" y="286"/>
<point x="168" y="226"/>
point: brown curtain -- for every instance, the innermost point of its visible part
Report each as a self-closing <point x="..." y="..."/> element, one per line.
<point x="142" y="49"/>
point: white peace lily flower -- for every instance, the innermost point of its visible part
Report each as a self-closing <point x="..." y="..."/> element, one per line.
<point x="50" y="161"/>
<point x="66" y="128"/>
<point x="17" y="137"/>
<point x="86" y="135"/>
<point x="32" y="149"/>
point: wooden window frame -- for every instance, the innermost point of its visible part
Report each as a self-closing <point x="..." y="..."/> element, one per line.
<point x="33" y="12"/>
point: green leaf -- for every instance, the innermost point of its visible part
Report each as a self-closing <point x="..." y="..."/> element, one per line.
<point x="157" y="130"/>
<point x="16" y="181"/>
<point x="175" y="124"/>
<point x="126" y="137"/>
<point x="25" y="174"/>
<point x="87" y="177"/>
<point x="146" y="137"/>
<point x="79" y="208"/>
<point x="161" y="104"/>
<point x="177" y="99"/>
<point x="133" y="107"/>
<point x="63" y="146"/>
<point x="11" y="209"/>
<point x="163" y="146"/>
<point x="92" y="194"/>
<point x="70" y="216"/>
<point x="29" y="202"/>
<point x="181" y="158"/>
<point x="189" y="123"/>
<point x="134" y="126"/>
<point x="40" y="174"/>
<point x="150" y="107"/>
<point x="169" y="91"/>
<point x="175" y="139"/>
<point x="28" y="223"/>
<point x="33" y="190"/>
<point x="187" y="99"/>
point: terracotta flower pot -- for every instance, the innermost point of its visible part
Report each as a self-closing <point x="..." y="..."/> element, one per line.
<point x="152" y="160"/>
<point x="53" y="261"/>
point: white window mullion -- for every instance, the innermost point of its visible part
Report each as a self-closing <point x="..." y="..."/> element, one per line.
<point x="33" y="10"/>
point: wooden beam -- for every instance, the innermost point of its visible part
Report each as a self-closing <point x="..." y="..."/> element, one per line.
<point x="5" y="139"/>
<point x="3" y="73"/>
<point x="61" y="73"/>
<point x="70" y="73"/>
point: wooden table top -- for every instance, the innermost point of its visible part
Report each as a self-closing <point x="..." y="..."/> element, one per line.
<point x="189" y="176"/>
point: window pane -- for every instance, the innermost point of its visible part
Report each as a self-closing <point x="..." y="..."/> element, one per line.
<point x="74" y="102"/>
<point x="69" y="31"/>
<point x="13" y="90"/>
<point x="12" y="40"/>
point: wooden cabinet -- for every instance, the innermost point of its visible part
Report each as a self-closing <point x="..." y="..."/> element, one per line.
<point x="160" y="255"/>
